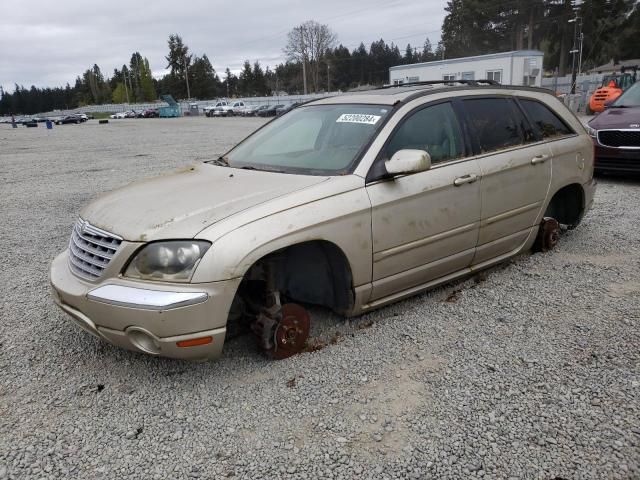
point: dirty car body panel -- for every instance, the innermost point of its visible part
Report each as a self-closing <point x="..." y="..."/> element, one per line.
<point x="321" y="209"/>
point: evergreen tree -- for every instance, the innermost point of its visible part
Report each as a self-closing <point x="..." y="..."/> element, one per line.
<point x="178" y="62"/>
<point x="245" y="79"/>
<point x="230" y="84"/>
<point x="427" y="54"/>
<point x="260" y="87"/>
<point x="204" y="80"/>
<point x="146" y="83"/>
<point x="409" y="56"/>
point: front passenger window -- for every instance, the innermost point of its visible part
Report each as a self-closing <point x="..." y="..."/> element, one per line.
<point x="434" y="129"/>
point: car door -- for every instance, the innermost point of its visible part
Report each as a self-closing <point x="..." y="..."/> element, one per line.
<point x="424" y="225"/>
<point x="516" y="173"/>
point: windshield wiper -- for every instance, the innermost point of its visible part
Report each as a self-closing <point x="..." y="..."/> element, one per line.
<point x="250" y="167"/>
<point x="618" y="106"/>
<point x="220" y="161"/>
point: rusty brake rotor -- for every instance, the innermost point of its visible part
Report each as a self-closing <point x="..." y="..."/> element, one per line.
<point x="291" y="332"/>
<point x="549" y="234"/>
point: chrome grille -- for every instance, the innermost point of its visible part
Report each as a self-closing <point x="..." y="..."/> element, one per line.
<point x="91" y="249"/>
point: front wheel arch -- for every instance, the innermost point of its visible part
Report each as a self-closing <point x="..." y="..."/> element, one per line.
<point x="312" y="272"/>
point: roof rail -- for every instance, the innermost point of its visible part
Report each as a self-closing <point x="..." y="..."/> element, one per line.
<point x="473" y="83"/>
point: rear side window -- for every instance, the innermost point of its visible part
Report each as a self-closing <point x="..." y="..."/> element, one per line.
<point x="495" y="123"/>
<point x="434" y="129"/>
<point x="544" y="120"/>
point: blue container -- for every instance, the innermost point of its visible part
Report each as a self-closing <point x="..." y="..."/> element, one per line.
<point x="49" y="124"/>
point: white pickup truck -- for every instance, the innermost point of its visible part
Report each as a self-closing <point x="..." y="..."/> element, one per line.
<point x="209" y="109"/>
<point x="230" y="109"/>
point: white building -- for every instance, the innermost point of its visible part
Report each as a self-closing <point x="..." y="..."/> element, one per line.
<point x="521" y="67"/>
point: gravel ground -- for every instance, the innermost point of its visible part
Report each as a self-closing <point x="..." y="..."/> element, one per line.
<point x="530" y="370"/>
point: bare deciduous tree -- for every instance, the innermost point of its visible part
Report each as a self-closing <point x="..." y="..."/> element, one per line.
<point x="307" y="43"/>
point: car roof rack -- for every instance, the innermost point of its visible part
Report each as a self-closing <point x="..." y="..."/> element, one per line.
<point x="473" y="83"/>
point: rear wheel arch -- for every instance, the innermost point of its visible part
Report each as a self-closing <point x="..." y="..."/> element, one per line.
<point x="567" y="205"/>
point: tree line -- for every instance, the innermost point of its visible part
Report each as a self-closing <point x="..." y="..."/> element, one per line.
<point x="333" y="67"/>
<point x="610" y="29"/>
<point x="316" y="62"/>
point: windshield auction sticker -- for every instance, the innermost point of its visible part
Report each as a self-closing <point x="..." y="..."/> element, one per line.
<point x="358" y="118"/>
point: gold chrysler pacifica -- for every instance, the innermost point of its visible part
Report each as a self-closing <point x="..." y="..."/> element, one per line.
<point x="350" y="202"/>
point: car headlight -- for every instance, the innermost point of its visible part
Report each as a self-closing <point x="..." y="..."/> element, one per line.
<point x="173" y="261"/>
<point x="591" y="131"/>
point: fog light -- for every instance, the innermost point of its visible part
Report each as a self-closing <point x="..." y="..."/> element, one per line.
<point x="194" y="342"/>
<point x="143" y="340"/>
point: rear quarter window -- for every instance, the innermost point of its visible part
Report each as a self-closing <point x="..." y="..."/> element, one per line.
<point x="544" y="120"/>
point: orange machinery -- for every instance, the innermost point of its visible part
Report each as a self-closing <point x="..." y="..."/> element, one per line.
<point x="611" y="88"/>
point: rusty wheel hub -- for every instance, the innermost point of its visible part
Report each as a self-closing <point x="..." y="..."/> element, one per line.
<point x="292" y="331"/>
<point x="549" y="234"/>
<point x="282" y="331"/>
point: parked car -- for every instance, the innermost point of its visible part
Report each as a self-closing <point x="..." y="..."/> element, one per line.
<point x="284" y="109"/>
<point x="118" y="115"/>
<point x="616" y="134"/>
<point x="230" y="109"/>
<point x="257" y="111"/>
<point x="151" y="113"/>
<point x="270" y="111"/>
<point x="210" y="109"/>
<point x="68" y="119"/>
<point x="247" y="110"/>
<point x="349" y="202"/>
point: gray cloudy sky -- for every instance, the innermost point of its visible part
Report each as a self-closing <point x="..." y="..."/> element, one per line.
<point x="50" y="42"/>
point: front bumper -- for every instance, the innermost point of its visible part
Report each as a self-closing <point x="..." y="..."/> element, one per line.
<point x="616" y="160"/>
<point x="147" y="317"/>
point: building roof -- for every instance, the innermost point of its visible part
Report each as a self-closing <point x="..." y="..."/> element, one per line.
<point x="514" y="53"/>
<point x="614" y="67"/>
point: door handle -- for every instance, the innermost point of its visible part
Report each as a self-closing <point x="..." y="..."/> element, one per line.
<point x="472" y="177"/>
<point x="539" y="159"/>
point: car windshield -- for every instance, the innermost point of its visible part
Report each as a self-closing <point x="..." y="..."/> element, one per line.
<point x="315" y="139"/>
<point x="630" y="98"/>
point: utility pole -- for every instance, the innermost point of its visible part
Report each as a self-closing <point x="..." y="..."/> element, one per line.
<point x="126" y="90"/>
<point x="130" y="86"/>
<point x="138" y="94"/>
<point x="580" y="54"/>
<point x="186" y="75"/>
<point x="304" y="73"/>
<point x="328" y="78"/>
<point x="576" y="21"/>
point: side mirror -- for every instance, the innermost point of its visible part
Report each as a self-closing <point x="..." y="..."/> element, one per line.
<point x="408" y="161"/>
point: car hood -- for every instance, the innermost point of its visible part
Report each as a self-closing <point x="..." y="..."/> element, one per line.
<point x="617" y="118"/>
<point x="181" y="204"/>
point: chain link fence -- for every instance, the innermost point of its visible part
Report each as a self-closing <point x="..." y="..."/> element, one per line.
<point x="186" y="104"/>
<point x="585" y="86"/>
